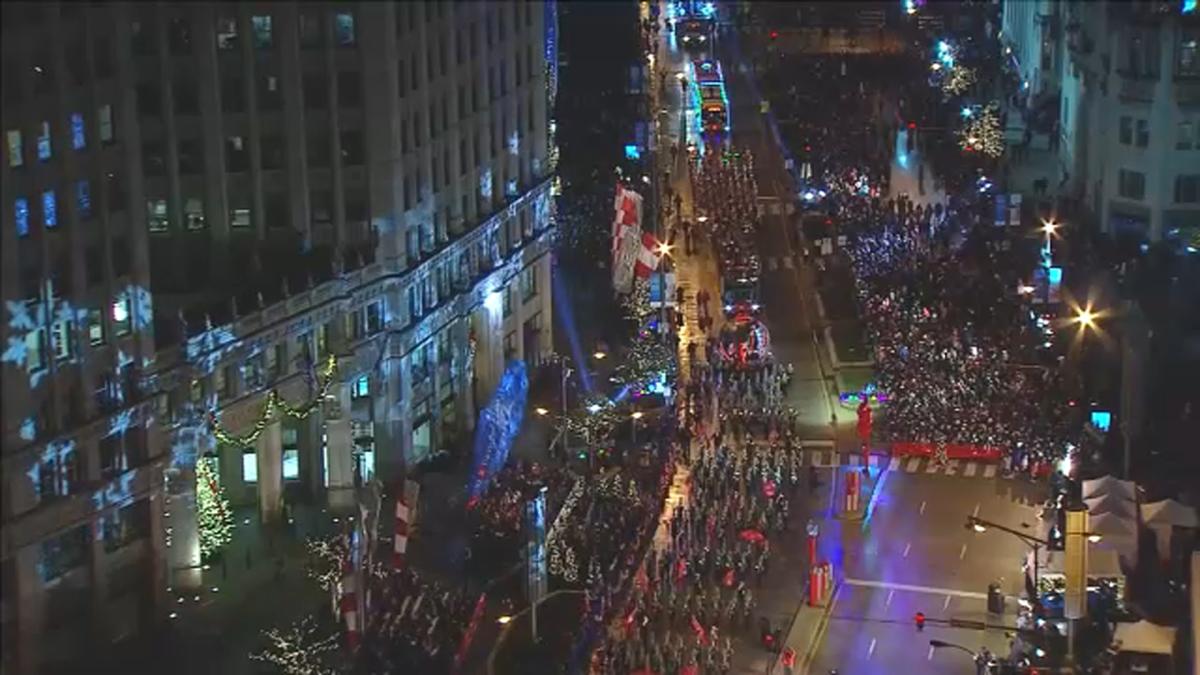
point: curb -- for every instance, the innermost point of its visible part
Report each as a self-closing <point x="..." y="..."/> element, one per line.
<point x="818" y="635"/>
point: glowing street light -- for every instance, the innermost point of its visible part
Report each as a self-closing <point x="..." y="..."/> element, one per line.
<point x="1086" y="318"/>
<point x="600" y="356"/>
<point x="504" y="620"/>
<point x="594" y="408"/>
<point x="637" y="414"/>
<point x="541" y="411"/>
<point x="702" y="219"/>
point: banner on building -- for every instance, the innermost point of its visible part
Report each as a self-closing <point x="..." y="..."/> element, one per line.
<point x="649" y="257"/>
<point x="626" y="239"/>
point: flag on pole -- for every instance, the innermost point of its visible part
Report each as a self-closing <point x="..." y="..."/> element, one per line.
<point x="649" y="256"/>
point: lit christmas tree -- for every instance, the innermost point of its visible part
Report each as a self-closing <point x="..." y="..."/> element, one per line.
<point x="982" y="132"/>
<point x="214" y="518"/>
<point x="637" y="303"/>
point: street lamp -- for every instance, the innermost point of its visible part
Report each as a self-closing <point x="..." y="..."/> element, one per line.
<point x="980" y="525"/>
<point x="1049" y="228"/>
<point x="938" y="644"/>
<point x="541" y="411"/>
<point x="635" y="415"/>
<point x="664" y="252"/>
<point x="1086" y="318"/>
<point x="599" y="355"/>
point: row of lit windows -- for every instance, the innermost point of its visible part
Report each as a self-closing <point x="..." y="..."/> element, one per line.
<point x="44" y="141"/>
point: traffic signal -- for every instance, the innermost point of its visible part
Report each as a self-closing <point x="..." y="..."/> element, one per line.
<point x="774" y="34"/>
<point x="912" y="125"/>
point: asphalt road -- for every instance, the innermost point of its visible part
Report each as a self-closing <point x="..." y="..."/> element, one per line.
<point x="915" y="554"/>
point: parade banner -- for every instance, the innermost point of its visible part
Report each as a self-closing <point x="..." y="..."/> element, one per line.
<point x="626" y="239"/>
<point x="629" y="248"/>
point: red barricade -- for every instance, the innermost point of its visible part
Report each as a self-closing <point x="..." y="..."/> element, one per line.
<point x="953" y="451"/>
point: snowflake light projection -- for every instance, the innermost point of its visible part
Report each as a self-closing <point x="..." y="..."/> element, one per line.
<point x="55" y="456"/>
<point x="28" y="429"/>
<point x="485" y="184"/>
<point x="498" y="426"/>
<point x="514" y="144"/>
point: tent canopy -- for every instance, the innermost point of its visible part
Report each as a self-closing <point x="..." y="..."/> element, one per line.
<point x="1107" y="485"/>
<point x="1111" y="524"/>
<point x="1169" y="512"/>
<point x="1144" y="637"/>
<point x="1111" y="504"/>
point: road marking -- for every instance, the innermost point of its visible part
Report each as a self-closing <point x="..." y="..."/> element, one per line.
<point x="952" y="467"/>
<point x="932" y="467"/>
<point x="975" y="513"/>
<point x="963" y="553"/>
<point x="868" y="583"/>
<point x="970" y="469"/>
<point x="871" y="649"/>
<point x="907" y="547"/>
<point x="913" y="464"/>
<point x="887" y="604"/>
<point x="989" y="471"/>
<point x="946" y="604"/>
<point x="787" y="262"/>
<point x="855" y="460"/>
<point x="930" y="657"/>
<point x="922" y="508"/>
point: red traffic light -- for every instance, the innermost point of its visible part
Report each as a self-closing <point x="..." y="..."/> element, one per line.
<point x="774" y="34"/>
<point x="912" y="125"/>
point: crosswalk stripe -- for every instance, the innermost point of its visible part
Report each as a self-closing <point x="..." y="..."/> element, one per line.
<point x="970" y="469"/>
<point x="787" y="262"/>
<point x="931" y="467"/>
<point x="914" y="463"/>
<point x="989" y="471"/>
<point x="894" y="465"/>
<point x="855" y="460"/>
<point x="952" y="467"/>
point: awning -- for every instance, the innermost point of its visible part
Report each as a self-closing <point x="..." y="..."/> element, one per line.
<point x="1107" y="485"/>
<point x="1111" y="504"/>
<point x="1144" y="637"/>
<point x="1169" y="512"/>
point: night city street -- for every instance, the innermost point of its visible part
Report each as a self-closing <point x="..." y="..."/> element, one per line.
<point x="582" y="337"/>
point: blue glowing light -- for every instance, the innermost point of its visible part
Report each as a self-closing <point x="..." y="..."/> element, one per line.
<point x="21" y="212"/>
<point x="49" y="209"/>
<point x="78" y="137"/>
<point x="498" y="426"/>
<point x="1188" y="6"/>
<point x="632" y="152"/>
<point x="966" y="111"/>
<point x="28" y="429"/>
<point x="708" y="10"/>
<point x="1055" y="275"/>
<point x="1101" y="419"/>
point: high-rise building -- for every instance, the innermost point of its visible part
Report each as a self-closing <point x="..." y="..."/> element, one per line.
<point x="1126" y="80"/>
<point x="297" y="241"/>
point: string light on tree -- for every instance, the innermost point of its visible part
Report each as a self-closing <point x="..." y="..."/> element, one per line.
<point x="957" y="81"/>
<point x="981" y="132"/>
<point x="637" y="303"/>
<point x="298" y="649"/>
<point x="214" y="518"/>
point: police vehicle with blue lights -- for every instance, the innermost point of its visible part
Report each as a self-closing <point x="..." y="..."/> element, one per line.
<point x="695" y="23"/>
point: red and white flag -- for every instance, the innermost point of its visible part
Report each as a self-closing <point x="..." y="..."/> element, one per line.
<point x="649" y="257"/>
<point x="400" y="545"/>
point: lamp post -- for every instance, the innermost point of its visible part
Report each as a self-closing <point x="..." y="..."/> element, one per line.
<point x="1049" y="228"/>
<point x="635" y="416"/>
<point x="664" y="252"/>
<point x="980" y="525"/>
<point x="566" y="372"/>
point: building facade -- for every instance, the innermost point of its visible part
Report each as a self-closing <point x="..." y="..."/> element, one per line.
<point x="297" y="241"/>
<point x="1127" y="83"/>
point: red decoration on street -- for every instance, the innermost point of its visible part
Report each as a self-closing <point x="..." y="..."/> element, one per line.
<point x="864" y="421"/>
<point x="400" y="545"/>
<point x="349" y="605"/>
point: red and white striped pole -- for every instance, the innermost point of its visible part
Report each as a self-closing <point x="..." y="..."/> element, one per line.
<point x="400" y="543"/>
<point x="350" y="604"/>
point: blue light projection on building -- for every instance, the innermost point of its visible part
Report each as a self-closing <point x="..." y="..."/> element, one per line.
<point x="498" y="426"/>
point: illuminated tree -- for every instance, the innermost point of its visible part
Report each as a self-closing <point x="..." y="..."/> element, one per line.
<point x="297" y="649"/>
<point x="214" y="518"/>
<point x="637" y="303"/>
<point x="957" y="81"/>
<point x="982" y="133"/>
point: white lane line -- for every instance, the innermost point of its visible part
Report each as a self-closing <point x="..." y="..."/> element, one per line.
<point x="787" y="262"/>
<point x="975" y="513"/>
<point x="989" y="471"/>
<point x="922" y="508"/>
<point x="871" y="649"/>
<point x="914" y="463"/>
<point x="932" y="467"/>
<point x="867" y="583"/>
<point x="946" y="604"/>
<point x="952" y="467"/>
<point x="887" y="604"/>
<point x="930" y="657"/>
<point x="907" y="547"/>
<point x="963" y="553"/>
<point x="894" y="465"/>
<point x="970" y="469"/>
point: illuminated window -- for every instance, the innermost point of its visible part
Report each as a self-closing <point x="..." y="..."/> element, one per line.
<point x="35" y="350"/>
<point x="60" y="340"/>
<point x="193" y="214"/>
<point x="249" y="466"/>
<point x="49" y="209"/>
<point x="361" y="387"/>
<point x="78" y="135"/>
<point x="16" y="148"/>
<point x="156" y="215"/>
<point x="120" y="316"/>
<point x="364" y="448"/>
<point x="344" y="29"/>
<point x="239" y="218"/>
<point x="83" y="199"/>
<point x="21" y="216"/>
<point x="227" y="32"/>
<point x="291" y="464"/>
<point x="43" y="142"/>
<point x="261" y="25"/>
<point x="323" y="339"/>
<point x="106" y="124"/>
<point x="95" y="327"/>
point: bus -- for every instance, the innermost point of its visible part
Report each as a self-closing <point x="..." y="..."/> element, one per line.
<point x="695" y="23"/>
<point x="710" y="101"/>
<point x="740" y="296"/>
